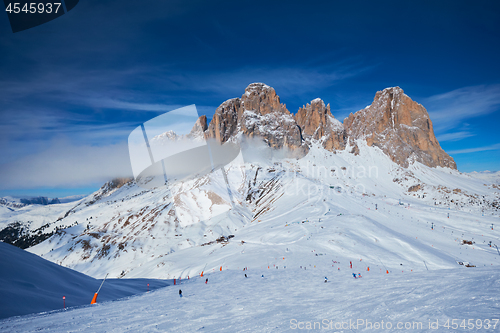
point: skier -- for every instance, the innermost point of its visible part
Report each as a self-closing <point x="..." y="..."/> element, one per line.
<point x="359" y="275"/>
<point x="354" y="275"/>
<point x="180" y="293"/>
<point x="326" y="279"/>
<point x="246" y="276"/>
<point x="206" y="281"/>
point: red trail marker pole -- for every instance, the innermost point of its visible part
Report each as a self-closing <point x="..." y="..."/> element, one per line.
<point x="64" y="302"/>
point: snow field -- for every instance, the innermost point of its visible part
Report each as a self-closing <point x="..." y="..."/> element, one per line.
<point x="284" y="298"/>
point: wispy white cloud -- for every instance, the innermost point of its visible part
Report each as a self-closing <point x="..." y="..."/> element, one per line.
<point x="123" y="105"/>
<point x="64" y="164"/>
<point x="283" y="79"/>
<point x="451" y="109"/>
<point x="454" y="136"/>
<point x="109" y="103"/>
<point x="475" y="150"/>
<point x="50" y="139"/>
<point x="29" y="132"/>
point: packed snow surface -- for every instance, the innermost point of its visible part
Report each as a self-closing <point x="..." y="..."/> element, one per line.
<point x="30" y="284"/>
<point x="294" y="299"/>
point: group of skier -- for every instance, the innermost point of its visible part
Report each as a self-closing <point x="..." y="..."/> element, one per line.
<point x="356" y="276"/>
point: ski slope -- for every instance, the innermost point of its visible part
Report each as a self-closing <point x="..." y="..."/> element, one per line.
<point x="288" y="208"/>
<point x="30" y="284"/>
<point x="295" y="221"/>
<point x="292" y="299"/>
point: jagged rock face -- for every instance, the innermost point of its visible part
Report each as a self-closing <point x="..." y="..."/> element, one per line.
<point x="400" y="127"/>
<point x="201" y="124"/>
<point x="224" y="123"/>
<point x="258" y="113"/>
<point x="393" y="122"/>
<point x="199" y="128"/>
<point x="317" y="123"/>
<point x="264" y="116"/>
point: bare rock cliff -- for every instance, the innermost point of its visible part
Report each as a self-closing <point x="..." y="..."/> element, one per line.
<point x="317" y="123"/>
<point x="400" y="127"/>
<point x="393" y="122"/>
<point x="258" y="113"/>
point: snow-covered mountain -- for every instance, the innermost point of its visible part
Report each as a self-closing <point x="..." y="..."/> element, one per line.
<point x="18" y="202"/>
<point x="316" y="187"/>
<point x="488" y="176"/>
<point x="308" y="199"/>
<point x="359" y="206"/>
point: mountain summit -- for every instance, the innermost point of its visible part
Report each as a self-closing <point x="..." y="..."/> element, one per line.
<point x="317" y="123"/>
<point x="258" y="113"/>
<point x="400" y="127"/>
<point x="396" y="124"/>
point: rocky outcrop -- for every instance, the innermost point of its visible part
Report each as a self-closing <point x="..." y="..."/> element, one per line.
<point x="199" y="129"/>
<point x="393" y="122"/>
<point x="414" y="188"/>
<point x="257" y="114"/>
<point x="317" y="123"/>
<point x="224" y="123"/>
<point x="400" y="127"/>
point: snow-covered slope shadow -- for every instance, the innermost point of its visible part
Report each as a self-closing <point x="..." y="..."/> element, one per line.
<point x="31" y="284"/>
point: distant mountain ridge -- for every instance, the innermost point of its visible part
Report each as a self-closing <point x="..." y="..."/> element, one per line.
<point x="396" y="124"/>
<point x="21" y="202"/>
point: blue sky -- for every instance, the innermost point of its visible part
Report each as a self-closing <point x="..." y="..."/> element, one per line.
<point x="72" y="90"/>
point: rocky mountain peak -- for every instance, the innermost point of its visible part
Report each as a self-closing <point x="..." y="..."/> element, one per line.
<point x="257" y="88"/>
<point x="199" y="128"/>
<point x="312" y="118"/>
<point x="258" y="113"/>
<point x="262" y="99"/>
<point x="393" y="122"/>
<point x="400" y="127"/>
<point x="317" y="123"/>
